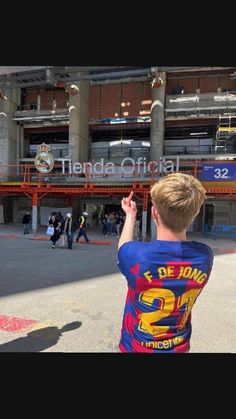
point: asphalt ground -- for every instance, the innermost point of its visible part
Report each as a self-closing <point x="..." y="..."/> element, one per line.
<point x="61" y="300"/>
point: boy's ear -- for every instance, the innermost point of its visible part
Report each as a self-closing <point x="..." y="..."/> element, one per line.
<point x="154" y="213"/>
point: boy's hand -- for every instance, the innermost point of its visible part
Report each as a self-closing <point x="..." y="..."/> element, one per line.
<point x="129" y="206"/>
<point x="130" y="209"/>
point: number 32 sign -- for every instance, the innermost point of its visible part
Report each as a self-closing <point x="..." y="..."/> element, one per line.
<point x="219" y="172"/>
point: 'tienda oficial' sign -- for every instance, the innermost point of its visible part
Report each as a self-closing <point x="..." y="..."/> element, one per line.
<point x="128" y="166"/>
<point x="219" y="172"/>
<point x="44" y="163"/>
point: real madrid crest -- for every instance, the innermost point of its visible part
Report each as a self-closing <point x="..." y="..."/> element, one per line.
<point x="44" y="161"/>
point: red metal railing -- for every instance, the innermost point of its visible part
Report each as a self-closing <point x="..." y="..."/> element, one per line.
<point x="88" y="173"/>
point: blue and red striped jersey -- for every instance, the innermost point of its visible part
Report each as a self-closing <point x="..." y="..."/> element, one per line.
<point x="164" y="280"/>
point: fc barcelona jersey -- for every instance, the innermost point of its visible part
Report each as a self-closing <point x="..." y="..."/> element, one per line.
<point x="164" y="280"/>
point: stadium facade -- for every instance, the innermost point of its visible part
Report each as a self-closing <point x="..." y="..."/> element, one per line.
<point x="83" y="137"/>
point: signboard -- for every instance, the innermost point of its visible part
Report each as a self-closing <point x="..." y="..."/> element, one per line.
<point x="44" y="161"/>
<point x="219" y="172"/>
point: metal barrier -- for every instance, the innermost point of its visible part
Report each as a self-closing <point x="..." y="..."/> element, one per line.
<point x="222" y="230"/>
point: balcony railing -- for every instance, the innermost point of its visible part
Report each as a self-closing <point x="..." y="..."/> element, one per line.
<point x="45" y="111"/>
<point x="68" y="174"/>
<point x="202" y="103"/>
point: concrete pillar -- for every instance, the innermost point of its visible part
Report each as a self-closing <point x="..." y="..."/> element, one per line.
<point x="69" y="201"/>
<point x="22" y="141"/>
<point x="77" y="206"/>
<point x="153" y="230"/>
<point x="8" y="130"/>
<point x="34" y="212"/>
<point x="78" y="123"/>
<point x="8" y="209"/>
<point x="38" y="103"/>
<point x="144" y="216"/>
<point x="158" y="119"/>
<point x="24" y="144"/>
<point x="74" y="202"/>
<point x="17" y="147"/>
<point x="144" y="225"/>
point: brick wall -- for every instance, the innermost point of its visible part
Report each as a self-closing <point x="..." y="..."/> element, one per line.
<point x="205" y="84"/>
<point x="120" y="100"/>
<point x="47" y="97"/>
<point x="128" y="99"/>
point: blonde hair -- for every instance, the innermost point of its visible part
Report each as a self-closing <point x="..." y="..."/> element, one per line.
<point x="178" y="198"/>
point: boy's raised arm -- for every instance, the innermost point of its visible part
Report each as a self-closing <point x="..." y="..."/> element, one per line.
<point x="130" y="209"/>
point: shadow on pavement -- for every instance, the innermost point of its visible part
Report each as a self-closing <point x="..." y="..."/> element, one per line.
<point x="38" y="340"/>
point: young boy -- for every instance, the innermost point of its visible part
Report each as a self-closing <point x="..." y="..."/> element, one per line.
<point x="166" y="275"/>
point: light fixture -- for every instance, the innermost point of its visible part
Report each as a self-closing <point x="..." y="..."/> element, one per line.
<point x="146" y="144"/>
<point x="185" y="99"/>
<point x="225" y="97"/>
<point x="198" y="133"/>
<point x="157" y="82"/>
<point x="153" y="82"/>
<point x="2" y="97"/>
<point x="72" y="89"/>
<point x="117" y="142"/>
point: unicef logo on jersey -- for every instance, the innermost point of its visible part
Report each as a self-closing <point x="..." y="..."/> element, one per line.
<point x="44" y="161"/>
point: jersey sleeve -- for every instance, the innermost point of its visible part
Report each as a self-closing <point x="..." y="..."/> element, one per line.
<point x="128" y="256"/>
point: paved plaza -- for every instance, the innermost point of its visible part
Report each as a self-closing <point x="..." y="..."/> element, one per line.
<point x="72" y="300"/>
